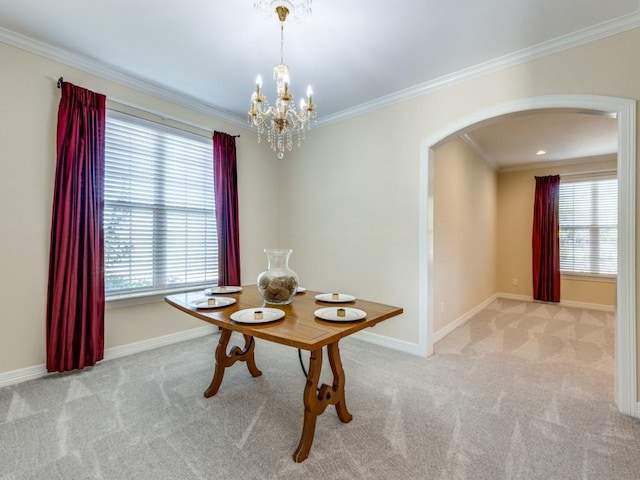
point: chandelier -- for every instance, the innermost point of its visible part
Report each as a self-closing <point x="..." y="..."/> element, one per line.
<point x="281" y="121"/>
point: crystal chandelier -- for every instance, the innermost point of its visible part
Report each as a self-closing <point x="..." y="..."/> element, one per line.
<point x="280" y="122"/>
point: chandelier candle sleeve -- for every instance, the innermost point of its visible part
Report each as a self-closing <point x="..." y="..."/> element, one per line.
<point x="259" y="87"/>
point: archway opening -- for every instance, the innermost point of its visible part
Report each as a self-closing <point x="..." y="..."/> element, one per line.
<point x="625" y="331"/>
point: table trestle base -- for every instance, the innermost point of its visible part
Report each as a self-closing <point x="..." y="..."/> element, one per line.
<point x="224" y="360"/>
<point x="317" y="399"/>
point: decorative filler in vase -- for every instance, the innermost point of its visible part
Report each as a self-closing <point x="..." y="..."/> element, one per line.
<point x="278" y="284"/>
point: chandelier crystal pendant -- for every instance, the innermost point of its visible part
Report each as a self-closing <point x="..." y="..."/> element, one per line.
<point x="281" y="121"/>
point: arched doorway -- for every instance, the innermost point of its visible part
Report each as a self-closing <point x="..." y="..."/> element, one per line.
<point x="625" y="335"/>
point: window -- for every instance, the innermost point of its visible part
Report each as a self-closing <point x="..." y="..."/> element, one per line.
<point x="159" y="212"/>
<point x="589" y="226"/>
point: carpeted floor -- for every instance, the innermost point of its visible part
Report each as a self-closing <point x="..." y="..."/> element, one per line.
<point x="522" y="391"/>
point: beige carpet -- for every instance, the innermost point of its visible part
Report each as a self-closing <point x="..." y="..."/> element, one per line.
<point x="522" y="391"/>
<point x="539" y="333"/>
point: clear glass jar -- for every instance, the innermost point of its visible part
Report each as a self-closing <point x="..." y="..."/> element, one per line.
<point x="278" y="284"/>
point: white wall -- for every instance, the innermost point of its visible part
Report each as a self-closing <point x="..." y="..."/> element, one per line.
<point x="464" y="232"/>
<point x="359" y="229"/>
<point x="516" y="193"/>
<point x="29" y="101"/>
<point x="347" y="202"/>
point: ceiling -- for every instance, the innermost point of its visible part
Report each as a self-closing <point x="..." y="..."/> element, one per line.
<point x="357" y="54"/>
<point x="513" y="141"/>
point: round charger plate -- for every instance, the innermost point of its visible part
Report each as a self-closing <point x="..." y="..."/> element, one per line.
<point x="331" y="314"/>
<point x="204" y="303"/>
<point x="222" y="289"/>
<point x="301" y="290"/>
<point x="248" y="315"/>
<point x="329" y="297"/>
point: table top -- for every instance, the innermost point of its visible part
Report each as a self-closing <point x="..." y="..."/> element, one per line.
<point x="299" y="328"/>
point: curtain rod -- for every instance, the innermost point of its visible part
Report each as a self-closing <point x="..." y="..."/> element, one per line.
<point x="152" y="112"/>
<point x="162" y="115"/>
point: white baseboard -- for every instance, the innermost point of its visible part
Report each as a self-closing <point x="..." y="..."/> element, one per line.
<point x="389" y="342"/>
<point x="39" y="371"/>
<point x="513" y="296"/>
<point x="151" y="343"/>
<point x="22" y="375"/>
<point x="443" y="332"/>
<point x="562" y="303"/>
<point x="446" y="330"/>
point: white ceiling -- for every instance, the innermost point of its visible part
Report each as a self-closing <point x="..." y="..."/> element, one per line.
<point x="512" y="141"/>
<point x="357" y="54"/>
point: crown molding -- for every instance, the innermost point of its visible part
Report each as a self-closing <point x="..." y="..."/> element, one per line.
<point x="108" y="72"/>
<point x="93" y="66"/>
<point x="581" y="37"/>
<point x="558" y="163"/>
<point x="470" y="141"/>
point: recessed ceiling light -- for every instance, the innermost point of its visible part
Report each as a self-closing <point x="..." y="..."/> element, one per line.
<point x="541" y="152"/>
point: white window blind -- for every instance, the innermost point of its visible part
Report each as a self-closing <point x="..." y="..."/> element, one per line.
<point x="159" y="212"/>
<point x="589" y="226"/>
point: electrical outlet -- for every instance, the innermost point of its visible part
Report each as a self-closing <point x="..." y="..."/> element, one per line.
<point x="441" y="307"/>
<point x="514" y="282"/>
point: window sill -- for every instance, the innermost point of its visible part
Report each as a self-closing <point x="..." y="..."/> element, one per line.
<point x="157" y="296"/>
<point x="586" y="277"/>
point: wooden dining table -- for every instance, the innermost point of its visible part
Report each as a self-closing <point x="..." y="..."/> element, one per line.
<point x="299" y="328"/>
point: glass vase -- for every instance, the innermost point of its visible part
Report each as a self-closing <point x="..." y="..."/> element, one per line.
<point x="278" y="284"/>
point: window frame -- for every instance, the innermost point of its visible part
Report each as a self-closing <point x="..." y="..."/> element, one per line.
<point x="156" y="293"/>
<point x="591" y="276"/>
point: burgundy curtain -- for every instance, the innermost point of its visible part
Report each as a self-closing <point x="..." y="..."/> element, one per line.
<point x="75" y="302"/>
<point x="225" y="178"/>
<point x="546" y="240"/>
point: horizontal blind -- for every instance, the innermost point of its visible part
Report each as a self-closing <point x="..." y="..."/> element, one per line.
<point x="159" y="213"/>
<point x="588" y="210"/>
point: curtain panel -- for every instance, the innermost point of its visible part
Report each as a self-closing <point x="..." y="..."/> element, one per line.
<point x="225" y="178"/>
<point x="75" y="297"/>
<point x="546" y="239"/>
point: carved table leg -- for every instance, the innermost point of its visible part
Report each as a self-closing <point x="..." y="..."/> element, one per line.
<point x="338" y="383"/>
<point x="249" y="347"/>
<point x="223" y="360"/>
<point x="310" y="406"/>
<point x="317" y="399"/>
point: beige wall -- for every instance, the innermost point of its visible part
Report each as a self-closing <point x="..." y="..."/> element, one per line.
<point x="350" y="214"/>
<point x="359" y="230"/>
<point x="347" y="202"/>
<point x="515" y="219"/>
<point x="464" y="232"/>
<point x="29" y="100"/>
